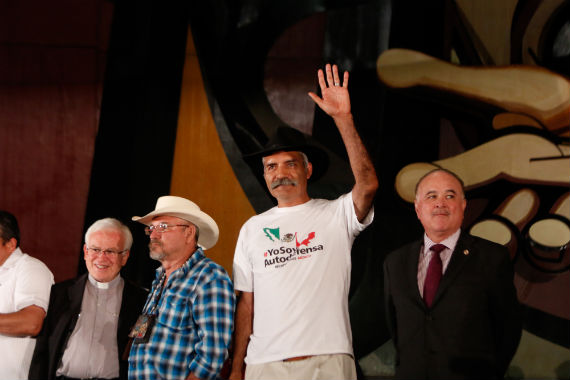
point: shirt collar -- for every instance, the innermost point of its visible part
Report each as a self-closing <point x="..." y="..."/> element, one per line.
<point x="13" y="258"/>
<point x="194" y="259"/>
<point x="105" y="285"/>
<point x="450" y="242"/>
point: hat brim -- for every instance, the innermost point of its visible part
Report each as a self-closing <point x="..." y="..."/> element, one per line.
<point x="209" y="231"/>
<point x="316" y="156"/>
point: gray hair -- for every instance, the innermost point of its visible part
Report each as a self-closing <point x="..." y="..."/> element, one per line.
<point x="111" y="224"/>
<point x="305" y="159"/>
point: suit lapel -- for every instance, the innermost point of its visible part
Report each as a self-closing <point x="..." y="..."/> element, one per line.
<point x="412" y="258"/>
<point x="456" y="263"/>
<point x="127" y="304"/>
<point x="75" y="293"/>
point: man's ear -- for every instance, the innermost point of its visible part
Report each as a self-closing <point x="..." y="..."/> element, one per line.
<point x="11" y="244"/>
<point x="416" y="208"/>
<point x="125" y="257"/>
<point x="192" y="234"/>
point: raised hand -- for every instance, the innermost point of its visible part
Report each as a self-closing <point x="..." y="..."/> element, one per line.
<point x="335" y="101"/>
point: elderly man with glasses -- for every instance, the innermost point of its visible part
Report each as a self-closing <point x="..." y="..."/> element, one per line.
<point x="85" y="334"/>
<point x="186" y="325"/>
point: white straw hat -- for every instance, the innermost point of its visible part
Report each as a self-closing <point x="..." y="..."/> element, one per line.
<point x="184" y="209"/>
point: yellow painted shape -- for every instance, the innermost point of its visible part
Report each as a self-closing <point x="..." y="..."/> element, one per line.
<point x="563" y="207"/>
<point x="508" y="119"/>
<point x="528" y="90"/>
<point x="492" y="230"/>
<point x="509" y="154"/>
<point x="520" y="206"/>
<point x="201" y="171"/>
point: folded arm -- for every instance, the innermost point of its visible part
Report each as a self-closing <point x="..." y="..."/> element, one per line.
<point x="25" y="322"/>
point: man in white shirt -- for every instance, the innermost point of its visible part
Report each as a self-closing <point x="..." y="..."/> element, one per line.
<point x="294" y="259"/>
<point x="25" y="284"/>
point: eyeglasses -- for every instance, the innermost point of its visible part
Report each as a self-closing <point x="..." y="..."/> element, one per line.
<point x="162" y="227"/>
<point x="106" y="252"/>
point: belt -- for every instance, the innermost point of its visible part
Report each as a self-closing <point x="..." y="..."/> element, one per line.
<point x="294" y="359"/>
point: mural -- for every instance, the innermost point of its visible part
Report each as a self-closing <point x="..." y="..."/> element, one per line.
<point x="436" y="87"/>
<point x="516" y="173"/>
<point x="518" y="181"/>
<point x="258" y="59"/>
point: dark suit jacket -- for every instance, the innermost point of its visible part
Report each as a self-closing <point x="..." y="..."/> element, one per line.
<point x="64" y="307"/>
<point x="474" y="325"/>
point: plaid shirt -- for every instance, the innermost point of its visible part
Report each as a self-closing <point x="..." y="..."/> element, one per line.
<point x="193" y="325"/>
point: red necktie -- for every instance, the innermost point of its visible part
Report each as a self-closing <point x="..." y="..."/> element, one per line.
<point x="433" y="275"/>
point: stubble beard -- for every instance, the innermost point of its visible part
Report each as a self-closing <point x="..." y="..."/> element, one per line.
<point x="158" y="256"/>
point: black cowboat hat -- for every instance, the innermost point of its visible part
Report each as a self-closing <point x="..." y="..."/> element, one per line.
<point x="288" y="139"/>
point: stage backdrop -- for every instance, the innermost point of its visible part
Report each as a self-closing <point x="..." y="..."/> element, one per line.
<point x="189" y="87"/>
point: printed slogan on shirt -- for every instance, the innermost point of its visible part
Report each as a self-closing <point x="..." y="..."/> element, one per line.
<point x="279" y="257"/>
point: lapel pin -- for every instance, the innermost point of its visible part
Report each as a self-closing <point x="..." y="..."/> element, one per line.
<point x="466" y="252"/>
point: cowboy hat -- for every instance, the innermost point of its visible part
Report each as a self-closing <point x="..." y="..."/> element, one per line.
<point x="288" y="139"/>
<point x="184" y="209"/>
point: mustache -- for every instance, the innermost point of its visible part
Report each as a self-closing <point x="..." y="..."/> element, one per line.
<point x="154" y="241"/>
<point x="282" y="181"/>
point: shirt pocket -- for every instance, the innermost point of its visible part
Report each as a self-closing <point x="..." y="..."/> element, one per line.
<point x="175" y="312"/>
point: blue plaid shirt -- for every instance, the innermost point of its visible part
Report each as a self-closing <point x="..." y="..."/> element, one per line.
<point x="193" y="326"/>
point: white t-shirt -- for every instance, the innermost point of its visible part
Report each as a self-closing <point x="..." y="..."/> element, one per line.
<point x="24" y="281"/>
<point x="297" y="262"/>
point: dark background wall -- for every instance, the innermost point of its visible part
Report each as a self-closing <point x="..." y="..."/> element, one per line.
<point x="52" y="60"/>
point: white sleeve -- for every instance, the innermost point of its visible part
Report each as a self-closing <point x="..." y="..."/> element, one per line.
<point x="242" y="268"/>
<point x="33" y="284"/>
<point x="355" y="226"/>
